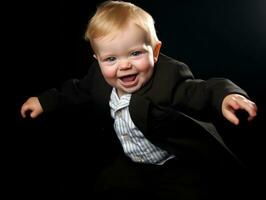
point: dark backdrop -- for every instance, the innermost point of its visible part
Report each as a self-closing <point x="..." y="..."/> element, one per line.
<point x="215" y="38"/>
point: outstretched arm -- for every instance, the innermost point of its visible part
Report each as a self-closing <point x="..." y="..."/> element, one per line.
<point x="234" y="102"/>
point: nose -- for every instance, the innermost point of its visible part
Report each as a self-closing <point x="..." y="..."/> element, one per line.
<point x="124" y="64"/>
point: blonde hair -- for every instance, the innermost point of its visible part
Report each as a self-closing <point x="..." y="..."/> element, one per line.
<point x="112" y="16"/>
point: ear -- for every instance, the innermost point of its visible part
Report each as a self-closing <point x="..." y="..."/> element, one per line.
<point x="156" y="51"/>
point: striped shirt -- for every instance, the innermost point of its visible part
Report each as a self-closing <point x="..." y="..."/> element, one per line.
<point x="135" y="145"/>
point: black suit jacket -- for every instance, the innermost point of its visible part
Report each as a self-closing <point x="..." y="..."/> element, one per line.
<point x="173" y="110"/>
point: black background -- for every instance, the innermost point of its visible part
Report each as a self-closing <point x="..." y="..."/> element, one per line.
<point x="46" y="46"/>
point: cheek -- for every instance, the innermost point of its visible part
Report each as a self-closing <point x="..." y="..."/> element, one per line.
<point x="145" y="66"/>
<point x="108" y="73"/>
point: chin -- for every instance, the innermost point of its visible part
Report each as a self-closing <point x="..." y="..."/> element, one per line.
<point x="131" y="90"/>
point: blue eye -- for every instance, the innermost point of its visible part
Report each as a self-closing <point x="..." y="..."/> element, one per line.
<point x="136" y="53"/>
<point x="110" y="59"/>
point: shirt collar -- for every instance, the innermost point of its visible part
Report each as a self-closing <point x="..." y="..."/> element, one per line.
<point x="117" y="103"/>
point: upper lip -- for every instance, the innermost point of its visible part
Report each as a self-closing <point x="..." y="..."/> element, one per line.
<point x="133" y="74"/>
<point x="129" y="74"/>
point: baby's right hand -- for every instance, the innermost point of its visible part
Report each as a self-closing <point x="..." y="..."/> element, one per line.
<point x="33" y="106"/>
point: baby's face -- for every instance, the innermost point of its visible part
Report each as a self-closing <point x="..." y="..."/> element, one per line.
<point x="126" y="61"/>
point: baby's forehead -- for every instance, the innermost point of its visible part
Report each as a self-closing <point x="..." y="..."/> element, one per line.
<point x="126" y="41"/>
<point x="119" y="32"/>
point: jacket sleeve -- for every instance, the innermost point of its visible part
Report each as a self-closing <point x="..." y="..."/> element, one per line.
<point x="72" y="91"/>
<point x="202" y="97"/>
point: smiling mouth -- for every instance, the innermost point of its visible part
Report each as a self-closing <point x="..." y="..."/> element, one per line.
<point x="129" y="80"/>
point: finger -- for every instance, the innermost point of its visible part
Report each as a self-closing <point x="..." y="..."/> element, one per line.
<point x="252" y="112"/>
<point x="249" y="107"/>
<point x="33" y="114"/>
<point x="23" y="111"/>
<point x="231" y="104"/>
<point x="230" y="116"/>
<point x="23" y="114"/>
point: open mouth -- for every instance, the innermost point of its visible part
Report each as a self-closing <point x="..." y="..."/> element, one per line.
<point x="129" y="80"/>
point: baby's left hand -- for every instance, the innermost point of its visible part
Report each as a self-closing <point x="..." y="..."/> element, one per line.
<point x="234" y="102"/>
